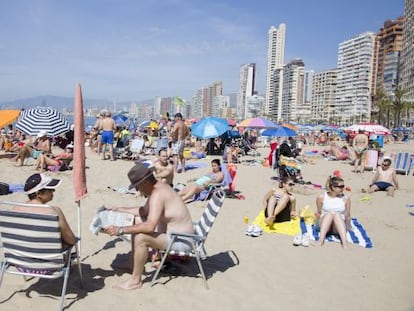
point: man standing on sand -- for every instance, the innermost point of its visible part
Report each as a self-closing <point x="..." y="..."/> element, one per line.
<point x="360" y="145"/>
<point x="163" y="170"/>
<point x="163" y="209"/>
<point x="179" y="133"/>
<point x="385" y="179"/>
<point x="107" y="126"/>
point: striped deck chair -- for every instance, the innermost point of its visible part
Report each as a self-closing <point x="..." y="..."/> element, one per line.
<point x="371" y="160"/>
<point x="196" y="240"/>
<point x="402" y="163"/>
<point x="32" y="246"/>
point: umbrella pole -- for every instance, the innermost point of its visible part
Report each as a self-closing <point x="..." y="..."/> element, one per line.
<point x="79" y="228"/>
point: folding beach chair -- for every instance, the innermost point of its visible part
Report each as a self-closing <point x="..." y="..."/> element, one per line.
<point x="196" y="240"/>
<point x="136" y="147"/>
<point x="32" y="246"/>
<point x="227" y="185"/>
<point x="402" y="163"/>
<point x="162" y="143"/>
<point x="371" y="160"/>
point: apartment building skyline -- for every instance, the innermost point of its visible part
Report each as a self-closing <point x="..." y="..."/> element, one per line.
<point x="246" y="87"/>
<point x="406" y="78"/>
<point x="275" y="62"/>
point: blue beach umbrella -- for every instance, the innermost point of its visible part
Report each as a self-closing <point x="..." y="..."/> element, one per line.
<point x="120" y="119"/>
<point x="280" y="131"/>
<point x="209" y="127"/>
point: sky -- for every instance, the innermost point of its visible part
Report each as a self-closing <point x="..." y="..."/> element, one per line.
<point x="131" y="50"/>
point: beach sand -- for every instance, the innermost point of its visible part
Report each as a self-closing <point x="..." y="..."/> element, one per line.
<point x="244" y="273"/>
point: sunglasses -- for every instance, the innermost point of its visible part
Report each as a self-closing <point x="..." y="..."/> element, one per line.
<point x="385" y="165"/>
<point x="291" y="184"/>
<point x="339" y="186"/>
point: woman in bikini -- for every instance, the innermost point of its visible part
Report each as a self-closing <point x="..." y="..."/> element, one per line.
<point x="334" y="210"/>
<point x="279" y="203"/>
<point x="43" y="161"/>
<point x="360" y="145"/>
<point x="202" y="183"/>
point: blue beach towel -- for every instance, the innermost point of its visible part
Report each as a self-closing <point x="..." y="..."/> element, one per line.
<point x="192" y="165"/>
<point x="357" y="235"/>
<point x="16" y="187"/>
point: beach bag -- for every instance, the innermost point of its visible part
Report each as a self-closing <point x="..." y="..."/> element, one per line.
<point x="4" y="188"/>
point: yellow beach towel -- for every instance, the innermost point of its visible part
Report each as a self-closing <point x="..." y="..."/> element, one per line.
<point x="288" y="227"/>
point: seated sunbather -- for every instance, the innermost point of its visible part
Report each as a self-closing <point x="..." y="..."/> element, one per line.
<point x="279" y="203"/>
<point x="214" y="177"/>
<point x="43" y="161"/>
<point x="40" y="189"/>
<point x="41" y="145"/>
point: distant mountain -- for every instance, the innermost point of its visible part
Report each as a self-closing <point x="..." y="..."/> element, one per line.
<point x="60" y="103"/>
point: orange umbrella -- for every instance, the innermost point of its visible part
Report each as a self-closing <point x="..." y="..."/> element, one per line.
<point x="291" y="126"/>
<point x="8" y="116"/>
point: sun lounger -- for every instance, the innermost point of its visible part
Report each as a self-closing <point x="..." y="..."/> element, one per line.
<point x="402" y="163"/>
<point x="371" y="160"/>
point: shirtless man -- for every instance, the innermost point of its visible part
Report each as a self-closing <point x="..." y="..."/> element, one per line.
<point x="178" y="134"/>
<point x="107" y="126"/>
<point x="163" y="170"/>
<point x="360" y="145"/>
<point x="385" y="179"/>
<point x="163" y="209"/>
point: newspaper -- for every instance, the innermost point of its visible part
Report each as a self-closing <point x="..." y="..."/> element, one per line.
<point x="105" y="218"/>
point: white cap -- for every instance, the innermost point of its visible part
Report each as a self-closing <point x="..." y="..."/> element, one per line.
<point x="41" y="133"/>
<point x="38" y="182"/>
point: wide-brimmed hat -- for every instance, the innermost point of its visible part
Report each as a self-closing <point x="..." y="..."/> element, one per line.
<point x="38" y="182"/>
<point x="138" y="174"/>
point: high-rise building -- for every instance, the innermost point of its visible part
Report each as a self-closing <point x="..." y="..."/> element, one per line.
<point x="292" y="91"/>
<point x="323" y="96"/>
<point x="389" y="46"/>
<point x="246" y="88"/>
<point x="275" y="62"/>
<point x="406" y="79"/>
<point x="355" y="76"/>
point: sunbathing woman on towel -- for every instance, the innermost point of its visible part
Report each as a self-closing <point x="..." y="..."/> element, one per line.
<point x="202" y="183"/>
<point x="279" y="203"/>
<point x="334" y="210"/>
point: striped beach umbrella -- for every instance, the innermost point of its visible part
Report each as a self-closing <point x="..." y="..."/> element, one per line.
<point x="35" y="120"/>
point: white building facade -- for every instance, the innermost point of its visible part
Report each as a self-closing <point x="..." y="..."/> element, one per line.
<point x="246" y="88"/>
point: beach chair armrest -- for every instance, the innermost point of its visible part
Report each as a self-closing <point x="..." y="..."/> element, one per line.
<point x="187" y="235"/>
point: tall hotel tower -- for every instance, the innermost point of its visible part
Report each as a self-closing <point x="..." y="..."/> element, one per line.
<point x="355" y="75"/>
<point x="246" y="88"/>
<point x="406" y="80"/>
<point x="389" y="41"/>
<point x="275" y="61"/>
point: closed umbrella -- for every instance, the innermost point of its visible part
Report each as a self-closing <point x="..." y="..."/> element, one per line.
<point x="131" y="125"/>
<point x="79" y="173"/>
<point x="8" y="116"/>
<point x="209" y="127"/>
<point x="280" y="131"/>
<point x="33" y="121"/>
<point x="257" y="123"/>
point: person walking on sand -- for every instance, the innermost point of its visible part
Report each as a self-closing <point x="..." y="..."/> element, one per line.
<point x="360" y="145"/>
<point x="179" y="133"/>
<point x="163" y="212"/>
<point x="107" y="126"/>
<point x="385" y="179"/>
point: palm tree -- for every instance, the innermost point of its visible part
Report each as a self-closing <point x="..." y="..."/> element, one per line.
<point x="399" y="105"/>
<point x="384" y="104"/>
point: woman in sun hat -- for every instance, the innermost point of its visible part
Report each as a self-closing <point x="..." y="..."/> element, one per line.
<point x="40" y="189"/>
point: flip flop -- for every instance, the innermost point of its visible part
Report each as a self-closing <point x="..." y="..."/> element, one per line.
<point x="365" y="198"/>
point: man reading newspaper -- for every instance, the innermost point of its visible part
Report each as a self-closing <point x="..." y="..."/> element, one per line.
<point x="163" y="212"/>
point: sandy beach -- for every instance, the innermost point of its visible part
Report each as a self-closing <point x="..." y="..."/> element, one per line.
<point x="244" y="273"/>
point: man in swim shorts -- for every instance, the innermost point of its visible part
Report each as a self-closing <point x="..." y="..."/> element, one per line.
<point x="385" y="179"/>
<point x="179" y="133"/>
<point x="107" y="126"/>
